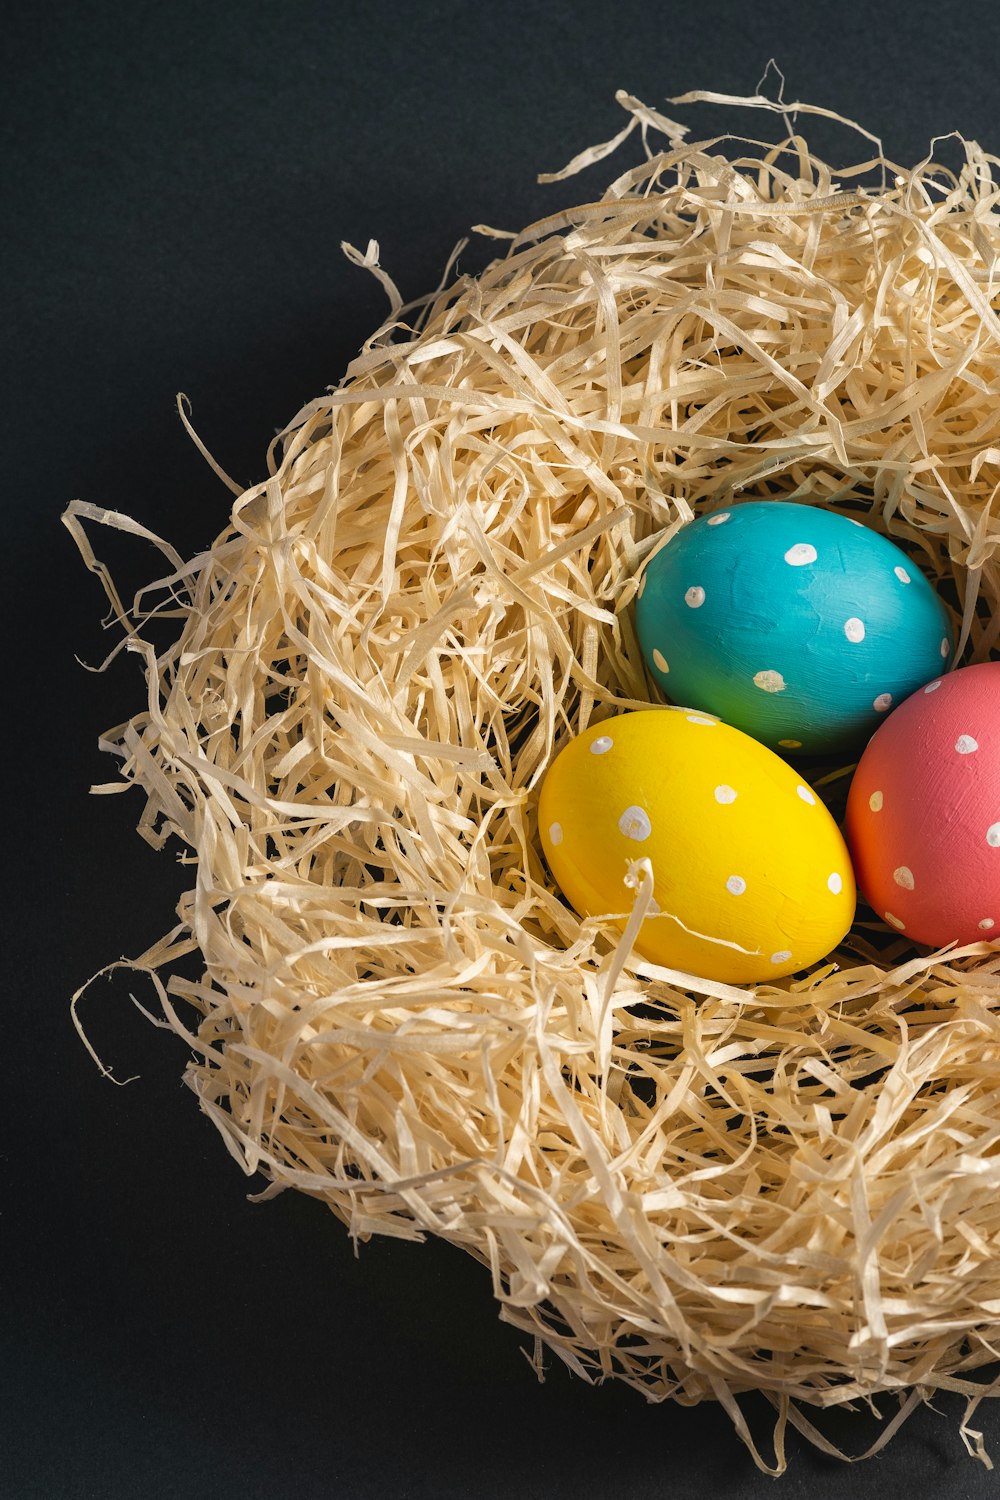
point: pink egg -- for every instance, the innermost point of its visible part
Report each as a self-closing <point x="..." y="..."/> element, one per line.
<point x="923" y="815"/>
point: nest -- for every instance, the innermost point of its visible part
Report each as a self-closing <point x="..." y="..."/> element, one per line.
<point x="699" y="1189"/>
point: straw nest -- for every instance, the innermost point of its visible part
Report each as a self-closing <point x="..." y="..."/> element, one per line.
<point x="698" y="1189"/>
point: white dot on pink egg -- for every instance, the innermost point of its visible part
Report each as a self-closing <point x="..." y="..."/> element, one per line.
<point x="986" y="924"/>
<point x="965" y="744"/>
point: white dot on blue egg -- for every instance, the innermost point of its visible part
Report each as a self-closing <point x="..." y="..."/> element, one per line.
<point x="902" y="575"/>
<point x="719" y="519"/>
<point x="660" y="661"/>
<point x="883" y="702"/>
<point x="769" y="681"/>
<point x="695" y="596"/>
<point x="945" y="646"/>
<point x="634" y="824"/>
<point x="801" y="554"/>
<point x="601" y="745"/>
<point x="854" y="629"/>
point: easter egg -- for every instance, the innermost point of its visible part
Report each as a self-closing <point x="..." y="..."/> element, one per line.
<point x="751" y="877"/>
<point x="798" y="625"/>
<point x="923" y="813"/>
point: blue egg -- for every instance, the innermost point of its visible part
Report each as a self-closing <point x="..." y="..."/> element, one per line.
<point x="797" y="625"/>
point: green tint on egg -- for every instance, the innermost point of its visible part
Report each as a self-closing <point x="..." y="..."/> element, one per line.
<point x="797" y="625"/>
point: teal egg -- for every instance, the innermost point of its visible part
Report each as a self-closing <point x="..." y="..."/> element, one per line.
<point x="798" y="625"/>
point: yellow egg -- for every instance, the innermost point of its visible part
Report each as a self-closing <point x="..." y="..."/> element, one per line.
<point x="751" y="877"/>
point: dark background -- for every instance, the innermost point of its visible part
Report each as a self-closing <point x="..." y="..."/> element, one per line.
<point x="177" y="182"/>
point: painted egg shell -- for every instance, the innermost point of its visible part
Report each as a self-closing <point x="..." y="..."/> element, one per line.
<point x="752" y="879"/>
<point x="798" y="625"/>
<point x="923" y="814"/>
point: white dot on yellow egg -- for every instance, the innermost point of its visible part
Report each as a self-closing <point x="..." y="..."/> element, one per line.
<point x="718" y="520"/>
<point x="660" y="661"/>
<point x="769" y="681"/>
<point x="601" y="745"/>
<point x="835" y="883"/>
<point x="894" y="921"/>
<point x="875" y="801"/>
<point x="634" y="824"/>
<point x="965" y="744"/>
<point x="800" y="554"/>
<point x="555" y="833"/>
<point x="782" y="956"/>
<point x="699" y="719"/>
<point x="695" y="597"/>
<point x="882" y="702"/>
<point x="725" y="793"/>
<point x="736" y="885"/>
<point x="903" y="876"/>
<point x="854" y="629"/>
<point x="806" y="794"/>
<point x="986" y="924"/>
<point x="993" y="835"/>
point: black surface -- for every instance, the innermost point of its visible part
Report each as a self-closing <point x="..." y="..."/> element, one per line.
<point x="177" y="183"/>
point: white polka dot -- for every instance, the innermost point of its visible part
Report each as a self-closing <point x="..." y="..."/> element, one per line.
<point x="986" y="924"/>
<point x="853" y="521"/>
<point x="894" y="921"/>
<point x="725" y="793"/>
<point x="601" y="745"/>
<point x="806" y="794"/>
<point x="965" y="744"/>
<point x="736" y="885"/>
<point x="875" y="801"/>
<point x="718" y="520"/>
<point x="555" y="833"/>
<point x="945" y="646"/>
<point x="902" y="575"/>
<point x="882" y="702"/>
<point x="782" y="956"/>
<point x="699" y="719"/>
<point x="642" y="585"/>
<point x="634" y="824"/>
<point x="932" y="687"/>
<point x="903" y="877"/>
<point x="695" y="596"/>
<point x="854" y="629"/>
<point x="790" y="744"/>
<point x="993" y="835"/>
<point x="769" y="681"/>
<point x="800" y="554"/>
<point x="835" y="883"/>
<point x="659" y="660"/>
